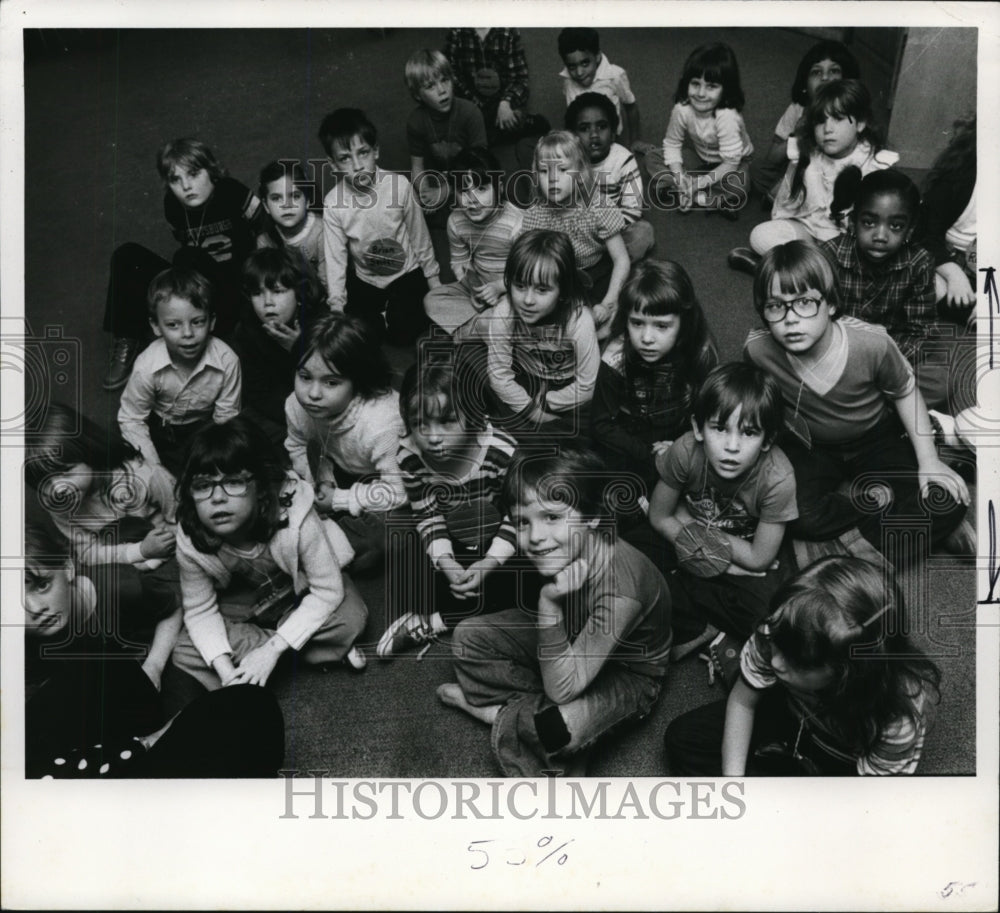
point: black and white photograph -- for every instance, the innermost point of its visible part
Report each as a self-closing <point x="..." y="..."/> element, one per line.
<point x="531" y="455"/>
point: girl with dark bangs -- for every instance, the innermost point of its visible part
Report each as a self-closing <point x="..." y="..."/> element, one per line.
<point x="857" y="694"/>
<point x="248" y="531"/>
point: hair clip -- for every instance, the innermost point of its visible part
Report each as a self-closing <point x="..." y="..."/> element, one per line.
<point x="876" y="616"/>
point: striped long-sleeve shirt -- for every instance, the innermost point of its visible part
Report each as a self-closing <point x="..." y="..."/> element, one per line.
<point x="465" y="509"/>
<point x="621" y="181"/>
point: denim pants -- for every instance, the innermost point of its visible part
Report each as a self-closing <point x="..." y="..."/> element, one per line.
<point x="496" y="662"/>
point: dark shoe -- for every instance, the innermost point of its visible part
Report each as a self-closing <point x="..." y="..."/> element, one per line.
<point x="743" y="259"/>
<point x="123" y="354"/>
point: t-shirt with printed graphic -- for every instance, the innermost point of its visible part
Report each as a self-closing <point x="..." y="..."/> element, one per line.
<point x="734" y="506"/>
<point x="225" y="226"/>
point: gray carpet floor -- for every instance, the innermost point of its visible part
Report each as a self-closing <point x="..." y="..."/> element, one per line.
<point x="97" y="108"/>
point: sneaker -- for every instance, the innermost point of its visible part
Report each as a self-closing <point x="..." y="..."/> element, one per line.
<point x="123" y="354"/>
<point x="407" y="632"/>
<point x="679" y="651"/>
<point x="356" y="659"/>
<point x="724" y="655"/>
<point x="743" y="259"/>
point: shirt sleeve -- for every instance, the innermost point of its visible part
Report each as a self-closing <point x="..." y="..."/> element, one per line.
<point x="754" y="668"/>
<point x="325" y="593"/>
<point x="729" y="129"/>
<point x="459" y="249"/>
<point x="136" y="406"/>
<point x="788" y="121"/>
<point x="384" y="493"/>
<point x="453" y="51"/>
<point x="777" y="502"/>
<point x="202" y="618"/>
<point x="673" y="465"/>
<point x="582" y="334"/>
<point x="515" y="71"/>
<point x="894" y="376"/>
<point x="569" y="668"/>
<point x="227" y="405"/>
<point x="624" y="89"/>
<point x="420" y="237"/>
<point x="674" y="139"/>
<point x="897" y="750"/>
<point x="422" y="493"/>
<point x="335" y="256"/>
<point x="500" y="362"/>
<point x="297" y="438"/>
<point x="630" y="190"/>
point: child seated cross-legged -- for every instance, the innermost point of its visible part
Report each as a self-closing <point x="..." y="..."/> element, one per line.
<point x="542" y="354"/>
<point x="829" y="685"/>
<point x="569" y="203"/>
<point x="379" y="258"/>
<point x="481" y="230"/>
<point x="587" y="650"/>
<point x="723" y="499"/>
<point x="854" y="415"/>
<point x="344" y="429"/>
<point x="260" y="572"/>
<point x="453" y="464"/>
<point x="184" y="378"/>
<point x="592" y="117"/>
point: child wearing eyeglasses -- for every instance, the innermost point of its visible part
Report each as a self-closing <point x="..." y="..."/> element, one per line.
<point x="260" y="572"/>
<point x="853" y="413"/>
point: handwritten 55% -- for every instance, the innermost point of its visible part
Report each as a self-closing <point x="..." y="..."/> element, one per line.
<point x="511" y="855"/>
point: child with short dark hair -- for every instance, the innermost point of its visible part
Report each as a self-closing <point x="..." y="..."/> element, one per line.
<point x="706" y="114"/>
<point x="724" y="496"/>
<point x="453" y="464"/>
<point x="247" y="525"/>
<point x="379" y="258"/>
<point x="826" y="61"/>
<point x="829" y="685"/>
<point x="588" y="70"/>
<point x="439" y="128"/>
<point x="481" y="229"/>
<point x="886" y="279"/>
<point x="592" y="117"/>
<point x="585" y="652"/>
<point x="853" y="411"/>
<point x="215" y="219"/>
<point x="286" y="195"/>
<point x="184" y="378"/>
<point x="285" y="298"/>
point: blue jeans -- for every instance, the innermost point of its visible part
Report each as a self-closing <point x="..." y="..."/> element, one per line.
<point x="496" y="662"/>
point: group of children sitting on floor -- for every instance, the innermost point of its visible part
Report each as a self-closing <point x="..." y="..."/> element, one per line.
<point x="590" y="493"/>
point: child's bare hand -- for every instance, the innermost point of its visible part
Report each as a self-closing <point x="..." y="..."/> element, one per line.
<point x="937" y="472"/>
<point x="323" y="497"/>
<point x="568" y="580"/>
<point x="506" y="118"/>
<point x="256" y="667"/>
<point x="661" y="447"/>
<point x="734" y="570"/>
<point x="282" y="333"/>
<point x="487" y="294"/>
<point x="159" y="543"/>
<point x="472" y="582"/>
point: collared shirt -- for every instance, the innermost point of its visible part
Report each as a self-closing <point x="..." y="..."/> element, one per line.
<point x="897" y="294"/>
<point x="501" y="52"/>
<point x="609" y="79"/>
<point x="212" y="389"/>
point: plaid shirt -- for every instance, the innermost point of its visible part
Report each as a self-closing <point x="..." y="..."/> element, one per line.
<point x="500" y="51"/>
<point x="899" y="294"/>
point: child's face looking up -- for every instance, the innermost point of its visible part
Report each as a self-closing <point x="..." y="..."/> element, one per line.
<point x="285" y="203"/>
<point x="594" y="130"/>
<point x="437" y="94"/>
<point x="883" y="225"/>
<point x="838" y="136"/>
<point x="550" y="533"/>
<point x="184" y="328"/>
<point x="704" y="96"/>
<point x="801" y="335"/>
<point x="479" y="203"/>
<point x="275" y="305"/>
<point x="192" y="187"/>
<point x="821" y="73"/>
<point x="355" y="162"/>
<point x="320" y="390"/>
<point x="225" y="515"/>
<point x="48" y="599"/>
<point x="732" y="448"/>
<point x="439" y="433"/>
<point x="556" y="178"/>
<point x="582" y="67"/>
<point x="534" y="299"/>
<point x="653" y="337"/>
